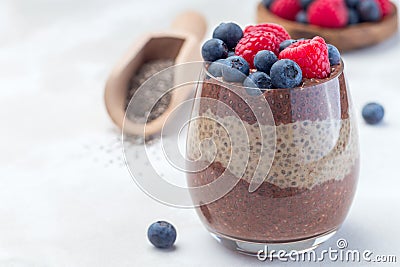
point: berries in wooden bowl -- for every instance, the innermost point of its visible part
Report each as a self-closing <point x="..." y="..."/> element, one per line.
<point x="348" y="24"/>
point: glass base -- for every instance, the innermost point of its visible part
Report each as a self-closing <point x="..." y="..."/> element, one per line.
<point x="254" y="248"/>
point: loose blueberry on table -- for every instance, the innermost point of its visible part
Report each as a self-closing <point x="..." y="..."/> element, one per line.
<point x="162" y="234"/>
<point x="373" y="113"/>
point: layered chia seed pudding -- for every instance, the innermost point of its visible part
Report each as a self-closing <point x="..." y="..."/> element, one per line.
<point x="278" y="112"/>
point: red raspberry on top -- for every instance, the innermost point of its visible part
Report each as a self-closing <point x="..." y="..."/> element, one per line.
<point x="385" y="6"/>
<point x="328" y="13"/>
<point x="312" y="57"/>
<point x="253" y="42"/>
<point x="286" y="9"/>
<point x="276" y="29"/>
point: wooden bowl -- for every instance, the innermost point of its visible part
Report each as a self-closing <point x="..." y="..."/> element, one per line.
<point x="345" y="39"/>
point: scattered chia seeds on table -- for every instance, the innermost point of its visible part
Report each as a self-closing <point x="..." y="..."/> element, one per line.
<point x="162" y="84"/>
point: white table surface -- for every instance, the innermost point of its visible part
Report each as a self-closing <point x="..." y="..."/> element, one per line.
<point x="66" y="198"/>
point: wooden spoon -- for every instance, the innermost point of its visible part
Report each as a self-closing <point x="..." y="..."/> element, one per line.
<point x="181" y="43"/>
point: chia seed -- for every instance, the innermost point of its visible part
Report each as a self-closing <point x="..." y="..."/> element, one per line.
<point x="147" y="111"/>
<point x="163" y="84"/>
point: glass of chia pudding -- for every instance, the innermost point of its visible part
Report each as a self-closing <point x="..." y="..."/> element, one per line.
<point x="283" y="138"/>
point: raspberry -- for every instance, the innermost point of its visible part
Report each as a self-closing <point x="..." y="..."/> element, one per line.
<point x="385" y="6"/>
<point x="286" y="9"/>
<point x="312" y="57"/>
<point x="255" y="41"/>
<point x="328" y="13"/>
<point x="276" y="29"/>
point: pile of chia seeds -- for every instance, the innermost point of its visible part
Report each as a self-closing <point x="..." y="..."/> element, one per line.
<point x="161" y="84"/>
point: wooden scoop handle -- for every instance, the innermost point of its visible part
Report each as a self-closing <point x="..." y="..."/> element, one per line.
<point x="190" y="22"/>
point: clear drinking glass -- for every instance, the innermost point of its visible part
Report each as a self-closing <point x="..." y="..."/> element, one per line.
<point x="288" y="160"/>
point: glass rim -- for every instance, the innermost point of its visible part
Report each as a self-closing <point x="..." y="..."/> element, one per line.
<point x="326" y="80"/>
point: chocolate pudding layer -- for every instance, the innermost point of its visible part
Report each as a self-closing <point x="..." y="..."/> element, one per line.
<point x="301" y="146"/>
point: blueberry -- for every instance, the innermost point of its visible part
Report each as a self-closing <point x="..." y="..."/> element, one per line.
<point x="286" y="73"/>
<point x="373" y="113"/>
<point x="369" y="10"/>
<point x="354" y="18"/>
<point x="214" y="49"/>
<point x="162" y="234"/>
<point x="264" y="60"/>
<point x="267" y="3"/>
<point x="334" y="55"/>
<point x="352" y="3"/>
<point x="286" y="43"/>
<point x="301" y="17"/>
<point x="231" y="54"/>
<point x="215" y="68"/>
<point x="256" y="81"/>
<point x="230" y="33"/>
<point x="237" y="69"/>
<point x="305" y="3"/>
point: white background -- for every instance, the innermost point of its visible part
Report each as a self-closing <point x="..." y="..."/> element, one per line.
<point x="66" y="198"/>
